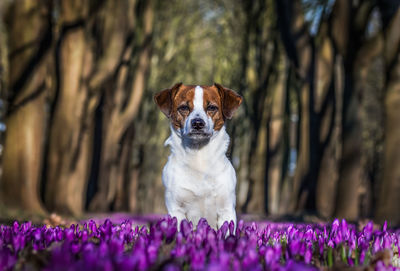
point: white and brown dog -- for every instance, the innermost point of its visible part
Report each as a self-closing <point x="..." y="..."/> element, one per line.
<point x="199" y="179"/>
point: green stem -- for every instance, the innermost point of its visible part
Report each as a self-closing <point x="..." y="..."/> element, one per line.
<point x="344" y="257"/>
<point x="330" y="257"/>
<point x="356" y="262"/>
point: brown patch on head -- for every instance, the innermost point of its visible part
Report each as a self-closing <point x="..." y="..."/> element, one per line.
<point x="213" y="107"/>
<point x="230" y="100"/>
<point x="182" y="106"/>
<point x="176" y="103"/>
<point x="164" y="99"/>
<point x="219" y="103"/>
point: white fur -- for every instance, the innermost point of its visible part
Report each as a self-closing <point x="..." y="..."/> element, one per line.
<point x="198" y="112"/>
<point x="200" y="182"/>
<point x="198" y="99"/>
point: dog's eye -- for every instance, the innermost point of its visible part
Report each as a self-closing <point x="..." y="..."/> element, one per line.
<point x="212" y="108"/>
<point x="183" y="108"/>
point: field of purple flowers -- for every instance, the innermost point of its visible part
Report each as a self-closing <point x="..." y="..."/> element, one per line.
<point x="164" y="245"/>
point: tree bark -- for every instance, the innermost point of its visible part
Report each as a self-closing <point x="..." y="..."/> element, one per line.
<point x="389" y="197"/>
<point x="339" y="35"/>
<point x="347" y="204"/>
<point x="330" y="141"/>
<point x="276" y="140"/>
<point x="262" y="39"/>
<point x="30" y="40"/>
<point x="350" y="167"/>
<point x="301" y="50"/>
<point x="91" y="49"/>
<point x="121" y="108"/>
<point x="312" y="59"/>
<point x="70" y="124"/>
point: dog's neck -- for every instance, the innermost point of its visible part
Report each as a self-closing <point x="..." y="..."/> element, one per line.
<point x="200" y="158"/>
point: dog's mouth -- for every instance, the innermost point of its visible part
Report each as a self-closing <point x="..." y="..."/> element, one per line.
<point x="199" y="135"/>
<point x="196" y="139"/>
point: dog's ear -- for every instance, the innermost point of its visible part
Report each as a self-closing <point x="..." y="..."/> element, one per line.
<point x="230" y="100"/>
<point x="164" y="99"/>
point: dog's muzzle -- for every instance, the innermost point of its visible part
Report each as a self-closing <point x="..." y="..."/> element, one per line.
<point x="198" y="124"/>
<point x="198" y="129"/>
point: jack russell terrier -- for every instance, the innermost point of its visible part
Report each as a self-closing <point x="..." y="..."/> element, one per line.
<point x="199" y="179"/>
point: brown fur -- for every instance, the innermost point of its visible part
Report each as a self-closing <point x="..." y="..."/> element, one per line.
<point x="212" y="97"/>
<point x="171" y="100"/>
<point x="184" y="96"/>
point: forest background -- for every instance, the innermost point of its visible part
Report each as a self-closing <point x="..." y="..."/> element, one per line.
<point x="318" y="134"/>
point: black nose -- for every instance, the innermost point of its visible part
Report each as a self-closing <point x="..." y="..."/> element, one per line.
<point x="198" y="124"/>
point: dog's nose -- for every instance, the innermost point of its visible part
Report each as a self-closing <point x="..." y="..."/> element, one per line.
<point x="198" y="124"/>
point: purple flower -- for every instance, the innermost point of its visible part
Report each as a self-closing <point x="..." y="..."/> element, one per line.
<point x="294" y="247"/>
<point x="249" y="246"/>
<point x="239" y="227"/>
<point x="309" y="236"/>
<point x="168" y="267"/>
<point x="230" y="243"/>
<point x="250" y="260"/>
<point x="186" y="228"/>
<point x="321" y="244"/>
<point x="308" y="255"/>
<point x="368" y="230"/>
<point x="295" y="266"/>
<point x="197" y="260"/>
<point x="7" y="259"/>
<point x="231" y="228"/>
<point x="335" y="225"/>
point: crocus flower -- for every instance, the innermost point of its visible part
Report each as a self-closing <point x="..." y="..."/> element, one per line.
<point x="163" y="245"/>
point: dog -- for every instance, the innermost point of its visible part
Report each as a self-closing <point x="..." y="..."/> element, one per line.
<point x="199" y="179"/>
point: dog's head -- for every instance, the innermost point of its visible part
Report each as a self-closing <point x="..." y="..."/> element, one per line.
<point x="197" y="112"/>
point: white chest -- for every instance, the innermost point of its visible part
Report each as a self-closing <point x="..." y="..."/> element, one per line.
<point x="200" y="184"/>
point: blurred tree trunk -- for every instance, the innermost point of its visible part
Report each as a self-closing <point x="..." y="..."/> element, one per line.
<point x="124" y="189"/>
<point x="300" y="51"/>
<point x="276" y="139"/>
<point x="244" y="183"/>
<point x="319" y="65"/>
<point x="30" y="41"/>
<point x="313" y="60"/>
<point x="69" y="137"/>
<point x="3" y="57"/>
<point x="259" y="67"/>
<point x="389" y="196"/>
<point x="329" y="85"/>
<point x="348" y="35"/>
<point x="91" y="49"/>
<point x="121" y="106"/>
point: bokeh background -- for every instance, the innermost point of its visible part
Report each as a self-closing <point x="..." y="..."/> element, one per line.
<point x="318" y="134"/>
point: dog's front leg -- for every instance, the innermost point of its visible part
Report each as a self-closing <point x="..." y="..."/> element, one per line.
<point x="228" y="215"/>
<point x="179" y="217"/>
<point x="174" y="209"/>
